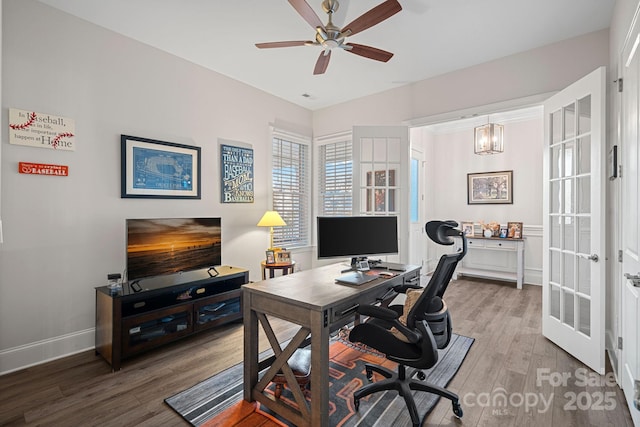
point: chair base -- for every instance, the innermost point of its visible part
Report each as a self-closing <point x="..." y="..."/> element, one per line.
<point x="399" y="382"/>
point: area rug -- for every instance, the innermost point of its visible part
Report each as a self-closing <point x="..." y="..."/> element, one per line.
<point x="217" y="401"/>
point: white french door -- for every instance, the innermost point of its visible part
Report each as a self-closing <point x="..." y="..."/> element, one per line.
<point x="573" y="267"/>
<point x="381" y="176"/>
<point x="630" y="227"/>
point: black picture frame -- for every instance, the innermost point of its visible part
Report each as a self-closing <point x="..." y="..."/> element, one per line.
<point x="159" y="169"/>
<point x="490" y="188"/>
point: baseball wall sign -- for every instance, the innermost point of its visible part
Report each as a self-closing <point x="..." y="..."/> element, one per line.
<point x="41" y="130"/>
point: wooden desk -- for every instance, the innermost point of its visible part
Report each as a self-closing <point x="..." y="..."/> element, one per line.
<point x="312" y="300"/>
<point x="286" y="267"/>
<point x="494" y="258"/>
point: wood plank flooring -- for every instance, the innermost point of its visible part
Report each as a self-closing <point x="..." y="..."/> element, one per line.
<point x="508" y="378"/>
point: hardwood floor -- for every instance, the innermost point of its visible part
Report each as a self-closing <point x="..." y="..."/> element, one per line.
<point x="507" y="379"/>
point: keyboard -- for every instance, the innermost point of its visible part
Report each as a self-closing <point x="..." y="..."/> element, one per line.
<point x="357" y="278"/>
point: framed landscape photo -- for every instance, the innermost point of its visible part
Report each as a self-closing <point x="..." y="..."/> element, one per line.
<point x="490" y="188"/>
<point x="159" y="169"/>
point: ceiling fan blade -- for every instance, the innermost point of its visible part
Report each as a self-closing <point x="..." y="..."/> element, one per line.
<point x="372" y="17"/>
<point x="282" y="44"/>
<point x="369" y="52"/>
<point x="323" y="62"/>
<point x="307" y="13"/>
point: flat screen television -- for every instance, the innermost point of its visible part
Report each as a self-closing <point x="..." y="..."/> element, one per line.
<point x="357" y="236"/>
<point x="162" y="246"/>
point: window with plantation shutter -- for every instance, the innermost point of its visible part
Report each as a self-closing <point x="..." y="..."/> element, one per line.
<point x="291" y="188"/>
<point x="335" y="179"/>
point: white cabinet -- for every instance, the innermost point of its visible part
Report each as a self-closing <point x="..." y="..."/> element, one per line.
<point x="494" y="258"/>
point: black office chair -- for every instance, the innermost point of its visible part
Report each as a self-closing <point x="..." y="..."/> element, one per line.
<point x="416" y="344"/>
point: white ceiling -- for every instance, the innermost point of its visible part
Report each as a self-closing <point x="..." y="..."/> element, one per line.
<point x="428" y="38"/>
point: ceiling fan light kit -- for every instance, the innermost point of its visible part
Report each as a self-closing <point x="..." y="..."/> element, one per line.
<point x="330" y="37"/>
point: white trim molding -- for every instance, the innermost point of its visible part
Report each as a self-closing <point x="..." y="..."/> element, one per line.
<point x="36" y="353"/>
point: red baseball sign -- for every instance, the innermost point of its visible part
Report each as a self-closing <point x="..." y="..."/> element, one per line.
<point x="43" y="169"/>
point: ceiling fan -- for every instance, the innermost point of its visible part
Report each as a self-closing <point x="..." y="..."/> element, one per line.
<point x="330" y="37"/>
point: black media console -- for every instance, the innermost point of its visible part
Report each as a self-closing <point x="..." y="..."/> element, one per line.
<point x="152" y="312"/>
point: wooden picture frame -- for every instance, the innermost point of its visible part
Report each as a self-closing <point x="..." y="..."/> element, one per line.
<point x="270" y="257"/>
<point x="468" y="229"/>
<point x="159" y="169"/>
<point x="283" y="257"/>
<point x="490" y="188"/>
<point x="514" y="230"/>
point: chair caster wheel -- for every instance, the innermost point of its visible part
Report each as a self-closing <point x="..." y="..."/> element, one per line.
<point x="369" y="374"/>
<point x="457" y="409"/>
<point x="421" y="375"/>
<point x="356" y="403"/>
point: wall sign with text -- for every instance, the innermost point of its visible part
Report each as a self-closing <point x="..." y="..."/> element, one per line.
<point x="237" y="174"/>
<point x="41" y="130"/>
<point x="42" y="169"/>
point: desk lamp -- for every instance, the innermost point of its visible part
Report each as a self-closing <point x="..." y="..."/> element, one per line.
<point x="271" y="219"/>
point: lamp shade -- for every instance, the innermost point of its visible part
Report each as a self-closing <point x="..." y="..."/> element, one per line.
<point x="271" y="219"/>
<point x="488" y="139"/>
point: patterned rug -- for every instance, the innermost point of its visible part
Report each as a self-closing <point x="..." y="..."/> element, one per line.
<point x="218" y="401"/>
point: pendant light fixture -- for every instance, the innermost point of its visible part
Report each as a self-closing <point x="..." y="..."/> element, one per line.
<point x="489" y="138"/>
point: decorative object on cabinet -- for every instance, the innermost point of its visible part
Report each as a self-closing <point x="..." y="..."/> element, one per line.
<point x="467" y="228"/>
<point x="237" y="174"/>
<point x="492" y="227"/>
<point x="514" y="230"/>
<point x="490" y="188"/>
<point x="503" y="232"/>
<point x="271" y="219"/>
<point x="159" y="169"/>
<point x="165" y="309"/>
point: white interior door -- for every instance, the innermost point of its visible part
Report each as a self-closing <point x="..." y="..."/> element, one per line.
<point x="573" y="306"/>
<point x="630" y="234"/>
<point x="417" y="234"/>
<point x="381" y="177"/>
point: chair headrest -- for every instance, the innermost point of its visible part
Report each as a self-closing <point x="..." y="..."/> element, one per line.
<point x="442" y="231"/>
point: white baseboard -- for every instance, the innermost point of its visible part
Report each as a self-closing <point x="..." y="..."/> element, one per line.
<point x="24" y="356"/>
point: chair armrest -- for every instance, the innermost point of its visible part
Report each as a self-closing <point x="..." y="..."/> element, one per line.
<point x="378" y="312"/>
<point x="402" y="289"/>
<point x="390" y="316"/>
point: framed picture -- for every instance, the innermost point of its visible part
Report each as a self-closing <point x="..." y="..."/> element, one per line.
<point x="503" y="232"/>
<point x="514" y="230"/>
<point x="270" y="259"/>
<point x="467" y="228"/>
<point x="237" y="174"/>
<point x="159" y="169"/>
<point x="283" y="257"/>
<point x="490" y="188"/>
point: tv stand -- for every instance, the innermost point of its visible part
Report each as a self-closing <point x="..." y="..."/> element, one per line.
<point x="152" y="312"/>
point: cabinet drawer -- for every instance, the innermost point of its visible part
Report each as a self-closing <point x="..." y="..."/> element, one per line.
<point x="475" y="243"/>
<point x="501" y="244"/>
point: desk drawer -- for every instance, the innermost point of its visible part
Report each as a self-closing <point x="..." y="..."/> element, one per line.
<point x="501" y="244"/>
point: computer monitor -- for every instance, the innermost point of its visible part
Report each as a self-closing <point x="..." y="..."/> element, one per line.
<point x="357" y="236"/>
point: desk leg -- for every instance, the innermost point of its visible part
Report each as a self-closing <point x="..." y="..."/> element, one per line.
<point x="250" y="348"/>
<point x="319" y="369"/>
